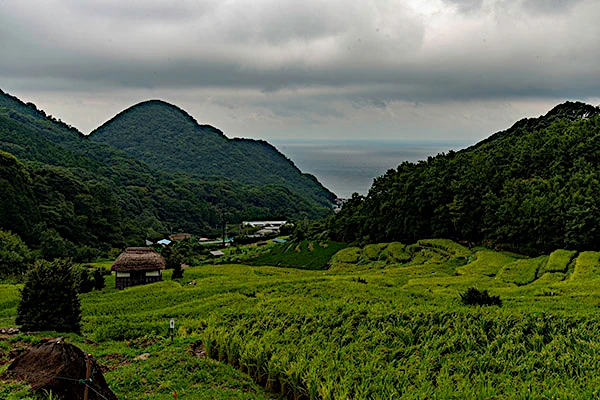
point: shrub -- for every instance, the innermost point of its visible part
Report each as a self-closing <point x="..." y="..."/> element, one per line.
<point x="14" y="254"/>
<point x="173" y="260"/>
<point x="53" y="246"/>
<point x="49" y="299"/>
<point x="99" y="279"/>
<point x="84" y="279"/>
<point x="476" y="297"/>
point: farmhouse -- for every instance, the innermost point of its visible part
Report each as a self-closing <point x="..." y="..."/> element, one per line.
<point x="138" y="266"/>
<point x="178" y="237"/>
<point x="262" y="224"/>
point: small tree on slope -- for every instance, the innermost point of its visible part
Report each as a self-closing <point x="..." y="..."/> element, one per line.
<point x="173" y="260"/>
<point x="49" y="299"/>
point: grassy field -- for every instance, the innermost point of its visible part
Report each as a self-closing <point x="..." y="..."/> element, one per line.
<point x="307" y="254"/>
<point x="385" y="321"/>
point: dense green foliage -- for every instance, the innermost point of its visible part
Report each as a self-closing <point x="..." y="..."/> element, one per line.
<point x="18" y="211"/>
<point x="173" y="260"/>
<point x="15" y="256"/>
<point x="68" y="195"/>
<point x="49" y="298"/>
<point x="532" y="188"/>
<point x="169" y="139"/>
<point x="88" y="278"/>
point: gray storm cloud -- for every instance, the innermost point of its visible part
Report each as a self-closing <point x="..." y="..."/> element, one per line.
<point x="314" y="59"/>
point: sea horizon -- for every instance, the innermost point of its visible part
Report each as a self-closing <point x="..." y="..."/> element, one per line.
<point x="349" y="166"/>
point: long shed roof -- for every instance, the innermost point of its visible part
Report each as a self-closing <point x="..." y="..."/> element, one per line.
<point x="138" y="259"/>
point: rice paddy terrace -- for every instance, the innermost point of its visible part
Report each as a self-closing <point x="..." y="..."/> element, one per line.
<point x="384" y="321"/>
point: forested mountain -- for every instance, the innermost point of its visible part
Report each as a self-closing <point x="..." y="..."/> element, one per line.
<point x="69" y="195"/>
<point x="169" y="139"/>
<point x="534" y="187"/>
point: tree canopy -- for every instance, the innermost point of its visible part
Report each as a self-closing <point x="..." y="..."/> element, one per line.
<point x="534" y="188"/>
<point x="49" y="300"/>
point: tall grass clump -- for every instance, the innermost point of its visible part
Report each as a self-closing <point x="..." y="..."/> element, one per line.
<point x="475" y="297"/>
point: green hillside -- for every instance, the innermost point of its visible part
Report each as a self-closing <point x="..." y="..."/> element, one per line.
<point x="169" y="139"/>
<point x="84" y="193"/>
<point x="533" y="188"/>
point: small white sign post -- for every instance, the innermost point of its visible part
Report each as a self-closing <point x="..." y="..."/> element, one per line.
<point x="172" y="328"/>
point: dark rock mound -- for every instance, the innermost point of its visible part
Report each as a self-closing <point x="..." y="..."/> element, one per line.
<point x="61" y="368"/>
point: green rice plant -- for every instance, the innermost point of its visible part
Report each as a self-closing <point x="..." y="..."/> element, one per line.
<point x="105" y="264"/>
<point x="349" y="255"/>
<point x="549" y="278"/>
<point x="276" y="370"/>
<point x="372" y="252"/>
<point x="312" y="380"/>
<point x="558" y="261"/>
<point x="310" y="255"/>
<point x="522" y="272"/>
<point x="326" y="389"/>
<point x="446" y="245"/>
<point x="397" y="253"/>
<point x="321" y="334"/>
<point x="434" y="256"/>
<point x="487" y="262"/>
<point x="294" y="378"/>
<point x="342" y="267"/>
<point x="232" y="349"/>
<point x="587" y="266"/>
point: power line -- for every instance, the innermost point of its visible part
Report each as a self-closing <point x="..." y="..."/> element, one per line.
<point x="95" y="391"/>
<point x="83" y="381"/>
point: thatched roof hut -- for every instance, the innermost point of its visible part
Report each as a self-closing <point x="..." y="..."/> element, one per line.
<point x="138" y="259"/>
<point x="138" y="266"/>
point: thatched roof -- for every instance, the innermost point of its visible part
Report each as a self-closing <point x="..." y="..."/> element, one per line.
<point x="138" y="259"/>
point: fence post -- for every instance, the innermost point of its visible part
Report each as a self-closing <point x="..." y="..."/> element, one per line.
<point x="88" y="368"/>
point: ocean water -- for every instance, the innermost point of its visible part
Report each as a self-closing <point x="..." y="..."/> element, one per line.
<point x="345" y="167"/>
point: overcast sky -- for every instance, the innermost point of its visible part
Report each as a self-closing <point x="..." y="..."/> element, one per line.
<point x="307" y="69"/>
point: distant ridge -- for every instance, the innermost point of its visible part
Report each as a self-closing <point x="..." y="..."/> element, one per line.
<point x="169" y="139"/>
<point x="570" y="111"/>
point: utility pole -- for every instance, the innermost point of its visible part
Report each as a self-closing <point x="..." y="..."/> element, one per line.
<point x="223" y="227"/>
